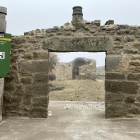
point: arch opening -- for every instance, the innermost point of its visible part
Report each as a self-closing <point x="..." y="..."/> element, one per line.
<point x="76" y="64"/>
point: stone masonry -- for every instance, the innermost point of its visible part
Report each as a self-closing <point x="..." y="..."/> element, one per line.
<point x="79" y="68"/>
<point x="26" y="90"/>
<point x="100" y="72"/>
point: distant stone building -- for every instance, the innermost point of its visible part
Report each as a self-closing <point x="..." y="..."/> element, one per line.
<point x="100" y="72"/>
<point x="79" y="68"/>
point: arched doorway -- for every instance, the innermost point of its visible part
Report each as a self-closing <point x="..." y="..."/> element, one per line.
<point x="75" y="70"/>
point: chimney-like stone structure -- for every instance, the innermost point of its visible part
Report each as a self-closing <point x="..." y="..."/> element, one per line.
<point x="77" y="16"/>
<point x="3" y="13"/>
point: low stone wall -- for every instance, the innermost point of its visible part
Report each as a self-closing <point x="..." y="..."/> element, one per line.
<point x="87" y="72"/>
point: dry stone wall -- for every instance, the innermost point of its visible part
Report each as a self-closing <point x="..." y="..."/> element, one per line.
<point x="26" y="86"/>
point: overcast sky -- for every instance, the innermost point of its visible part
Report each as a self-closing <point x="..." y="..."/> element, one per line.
<point x="27" y="15"/>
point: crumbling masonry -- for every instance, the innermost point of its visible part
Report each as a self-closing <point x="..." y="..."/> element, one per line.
<point x="26" y="90"/>
<point x="79" y="68"/>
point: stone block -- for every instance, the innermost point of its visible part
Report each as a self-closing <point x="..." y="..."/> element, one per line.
<point x="135" y="62"/>
<point x="96" y="22"/>
<point x="115" y="110"/>
<point x="130" y="87"/>
<point x="132" y="32"/>
<point x="41" y="55"/>
<point x="40" y="66"/>
<point x="129" y="38"/>
<point x="115" y="76"/>
<point x="109" y="97"/>
<point x="11" y="77"/>
<point x="13" y="67"/>
<point x="27" y="100"/>
<point x="19" y="88"/>
<point x="133" y="28"/>
<point x="131" y="51"/>
<point x="123" y="26"/>
<point x="109" y="22"/>
<point x="13" y="59"/>
<point x="134" y="110"/>
<point x="26" y="80"/>
<point x="137" y="46"/>
<point x="37" y="90"/>
<point x="112" y="62"/>
<point x="19" y="40"/>
<point x="121" y="86"/>
<point x="59" y="34"/>
<point x="93" y="30"/>
<point x="133" y="76"/>
<point x="11" y="110"/>
<point x="134" y="57"/>
<point x="41" y="101"/>
<point x="27" y="56"/>
<point x="9" y="87"/>
<point x="118" y="38"/>
<point x="41" y="78"/>
<point x="134" y="69"/>
<point x="113" y="86"/>
<point x="68" y="44"/>
<point x="130" y="99"/>
<point x="9" y="99"/>
<point x="39" y="112"/>
<point x="67" y="34"/>
<point x="123" y="31"/>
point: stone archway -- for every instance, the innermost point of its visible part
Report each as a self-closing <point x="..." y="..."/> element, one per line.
<point x="75" y="68"/>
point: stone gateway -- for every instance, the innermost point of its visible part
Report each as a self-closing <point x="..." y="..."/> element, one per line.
<point x="26" y="92"/>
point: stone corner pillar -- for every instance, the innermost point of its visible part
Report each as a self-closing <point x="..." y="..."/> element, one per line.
<point x="1" y="96"/>
<point x="77" y="16"/>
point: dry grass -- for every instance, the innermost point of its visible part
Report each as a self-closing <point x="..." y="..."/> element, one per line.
<point x="79" y="90"/>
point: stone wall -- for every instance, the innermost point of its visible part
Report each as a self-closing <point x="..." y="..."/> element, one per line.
<point x="26" y="88"/>
<point x="87" y="72"/>
<point x="100" y="72"/>
<point x="63" y="71"/>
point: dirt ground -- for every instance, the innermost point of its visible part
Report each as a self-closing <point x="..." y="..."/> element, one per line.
<point x="77" y="90"/>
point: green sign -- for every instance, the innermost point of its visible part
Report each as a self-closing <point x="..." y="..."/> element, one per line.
<point x="5" y="49"/>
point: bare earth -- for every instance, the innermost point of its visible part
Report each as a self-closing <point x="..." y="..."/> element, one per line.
<point x="78" y="90"/>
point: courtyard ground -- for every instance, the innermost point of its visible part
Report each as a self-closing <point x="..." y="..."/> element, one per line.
<point x="71" y="120"/>
<point x="77" y="90"/>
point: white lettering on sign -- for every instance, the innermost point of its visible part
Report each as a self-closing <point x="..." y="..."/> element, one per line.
<point x="2" y="55"/>
<point x="2" y="42"/>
